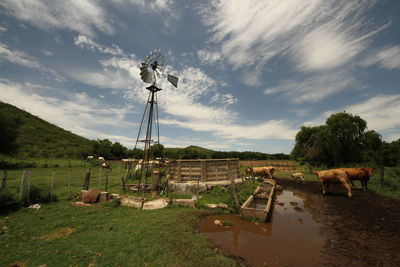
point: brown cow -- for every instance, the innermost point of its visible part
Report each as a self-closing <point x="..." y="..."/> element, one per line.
<point x="361" y="174"/>
<point x="266" y="172"/>
<point x="328" y="177"/>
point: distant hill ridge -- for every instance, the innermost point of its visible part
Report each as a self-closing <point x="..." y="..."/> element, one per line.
<point x="24" y="135"/>
<point x="29" y="136"/>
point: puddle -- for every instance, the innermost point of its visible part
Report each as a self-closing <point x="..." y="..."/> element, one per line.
<point x="292" y="238"/>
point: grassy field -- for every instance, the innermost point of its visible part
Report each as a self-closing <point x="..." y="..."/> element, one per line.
<point x="61" y="234"/>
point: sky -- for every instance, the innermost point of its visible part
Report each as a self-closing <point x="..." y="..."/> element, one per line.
<point x="251" y="73"/>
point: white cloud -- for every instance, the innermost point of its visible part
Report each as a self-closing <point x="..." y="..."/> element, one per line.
<point x="209" y="57"/>
<point x="387" y="58"/>
<point x="312" y="88"/>
<point x="2" y="29"/>
<point x="317" y="34"/>
<point x="47" y="52"/>
<point x="274" y="129"/>
<point x="381" y="112"/>
<point x="81" y="16"/>
<point x="86" y="43"/>
<point x="18" y="57"/>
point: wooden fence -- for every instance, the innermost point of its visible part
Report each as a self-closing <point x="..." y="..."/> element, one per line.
<point x="281" y="165"/>
<point x="205" y="169"/>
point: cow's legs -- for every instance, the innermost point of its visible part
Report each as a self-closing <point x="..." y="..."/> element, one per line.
<point x="324" y="188"/>
<point x="347" y="186"/>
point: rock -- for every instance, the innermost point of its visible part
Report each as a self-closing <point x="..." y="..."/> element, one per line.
<point x="223" y="206"/>
<point x="184" y="202"/>
<point x="34" y="206"/>
<point x="132" y="201"/>
<point x="79" y="203"/>
<point x="114" y="196"/>
<point x="218" y="222"/>
<point x="104" y="196"/>
<point x="156" y="204"/>
<point x="91" y="196"/>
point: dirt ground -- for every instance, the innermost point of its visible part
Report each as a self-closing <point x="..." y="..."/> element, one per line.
<point x="362" y="231"/>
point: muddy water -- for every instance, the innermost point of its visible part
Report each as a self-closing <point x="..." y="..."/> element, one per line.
<point x="292" y="238"/>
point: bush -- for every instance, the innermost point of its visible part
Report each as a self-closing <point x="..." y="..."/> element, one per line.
<point x="37" y="195"/>
<point x="8" y="201"/>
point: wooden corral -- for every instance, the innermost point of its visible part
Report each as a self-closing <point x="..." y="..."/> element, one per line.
<point x="281" y="165"/>
<point x="205" y="170"/>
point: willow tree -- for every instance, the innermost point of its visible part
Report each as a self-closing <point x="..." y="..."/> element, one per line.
<point x="345" y="135"/>
<point x="341" y="140"/>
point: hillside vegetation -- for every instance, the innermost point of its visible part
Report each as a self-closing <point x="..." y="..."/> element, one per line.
<point x="24" y="135"/>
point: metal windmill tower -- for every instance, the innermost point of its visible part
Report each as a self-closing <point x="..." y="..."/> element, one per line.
<point x="151" y="71"/>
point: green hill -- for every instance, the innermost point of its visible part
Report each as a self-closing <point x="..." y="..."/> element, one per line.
<point x="25" y="135"/>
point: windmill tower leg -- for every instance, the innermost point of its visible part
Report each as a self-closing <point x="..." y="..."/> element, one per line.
<point x="151" y="110"/>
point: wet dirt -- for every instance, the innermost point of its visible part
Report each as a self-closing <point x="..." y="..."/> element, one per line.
<point x="291" y="234"/>
<point x="319" y="230"/>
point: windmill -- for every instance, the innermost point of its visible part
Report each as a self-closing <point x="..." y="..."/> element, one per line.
<point x="151" y="71"/>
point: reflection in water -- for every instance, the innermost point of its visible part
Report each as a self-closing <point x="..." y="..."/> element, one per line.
<point x="291" y="238"/>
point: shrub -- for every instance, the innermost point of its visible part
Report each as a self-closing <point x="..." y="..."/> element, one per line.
<point x="38" y="195"/>
<point x="8" y="201"/>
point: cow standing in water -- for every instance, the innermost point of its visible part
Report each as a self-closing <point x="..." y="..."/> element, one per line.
<point x="266" y="172"/>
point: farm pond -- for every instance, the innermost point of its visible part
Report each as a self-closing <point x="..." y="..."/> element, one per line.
<point x="309" y="229"/>
<point x="292" y="237"/>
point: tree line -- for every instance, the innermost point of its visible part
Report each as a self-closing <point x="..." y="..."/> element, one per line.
<point x="344" y="139"/>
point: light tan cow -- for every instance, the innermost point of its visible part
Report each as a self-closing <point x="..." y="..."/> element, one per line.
<point x="337" y="176"/>
<point x="266" y="172"/>
<point x="299" y="177"/>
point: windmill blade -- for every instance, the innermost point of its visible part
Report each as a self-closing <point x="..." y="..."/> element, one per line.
<point x="173" y="80"/>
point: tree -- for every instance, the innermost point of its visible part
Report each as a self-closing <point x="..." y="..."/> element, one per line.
<point x="372" y="147"/>
<point x="118" y="151"/>
<point x="157" y="150"/>
<point x="341" y="140"/>
<point x="9" y="125"/>
<point x="345" y="135"/>
<point x="102" y="148"/>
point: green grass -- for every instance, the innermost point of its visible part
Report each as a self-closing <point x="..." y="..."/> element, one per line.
<point x="106" y="235"/>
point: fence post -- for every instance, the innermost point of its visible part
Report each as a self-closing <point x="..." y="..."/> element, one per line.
<point x="22" y="187"/>
<point x="99" y="176"/>
<point x="87" y="180"/>
<point x="29" y="185"/>
<point x="69" y="185"/>
<point x="106" y="181"/>
<point x="154" y="183"/>
<point x="3" y="180"/>
<point x="118" y="171"/>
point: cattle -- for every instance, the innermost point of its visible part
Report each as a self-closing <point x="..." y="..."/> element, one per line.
<point x="266" y="172"/>
<point x="328" y="177"/>
<point x="362" y="174"/>
<point x="106" y="165"/>
<point x="101" y="158"/>
<point x="298" y="176"/>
